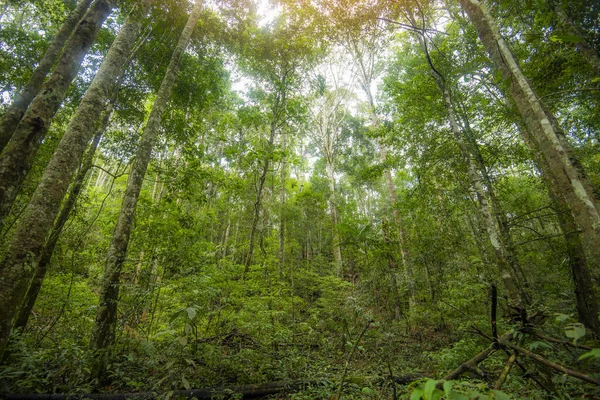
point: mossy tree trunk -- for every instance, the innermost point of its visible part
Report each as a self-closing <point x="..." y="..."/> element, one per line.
<point x="27" y="244"/>
<point x="21" y="101"/>
<point x="18" y="156"/>
<point x="547" y="136"/>
<point x="61" y="220"/>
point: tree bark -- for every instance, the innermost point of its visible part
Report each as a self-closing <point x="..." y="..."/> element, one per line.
<point x="26" y="246"/>
<point x="18" y="156"/>
<point x="61" y="220"/>
<point x="586" y="299"/>
<point x="21" y="101"/>
<point x="547" y="135"/>
<point x="106" y="315"/>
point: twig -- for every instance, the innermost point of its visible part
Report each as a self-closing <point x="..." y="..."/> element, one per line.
<point x="411" y="27"/>
<point x="473" y="324"/>
<point x="472" y="363"/>
<point x="570" y="91"/>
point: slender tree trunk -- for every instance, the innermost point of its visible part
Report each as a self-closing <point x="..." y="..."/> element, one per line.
<point x="26" y="246"/>
<point x="585" y="295"/>
<point x="258" y="202"/>
<point x="21" y="101"/>
<point x="106" y="315"/>
<point x="18" y="156"/>
<point x="389" y="181"/>
<point x="282" y="178"/>
<point x="546" y="134"/>
<point x="397" y="299"/>
<point x="65" y="212"/>
<point x="335" y="236"/>
<point x="491" y="217"/>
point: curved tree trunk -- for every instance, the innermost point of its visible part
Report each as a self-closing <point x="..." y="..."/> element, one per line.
<point x="21" y="101"/>
<point x="18" y="156"/>
<point x="106" y="315"/>
<point x="491" y="215"/>
<point x="547" y="136"/>
<point x="258" y="202"/>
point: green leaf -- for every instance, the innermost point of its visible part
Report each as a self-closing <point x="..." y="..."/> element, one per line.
<point x="454" y="395"/>
<point x="590" y="355"/>
<point x="187" y="328"/>
<point x="536" y="345"/>
<point x="182" y="340"/>
<point x="186" y="383"/>
<point x="416" y="394"/>
<point x="575" y="331"/>
<point x="448" y="388"/>
<point x="562" y="317"/>
<point x="367" y="390"/>
<point x="429" y="388"/>
<point x="191" y="312"/>
<point x="596" y="79"/>
<point x="499" y="395"/>
<point x="567" y="38"/>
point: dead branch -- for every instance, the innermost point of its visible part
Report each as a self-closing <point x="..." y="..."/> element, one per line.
<point x="505" y="371"/>
<point x="548" y="363"/>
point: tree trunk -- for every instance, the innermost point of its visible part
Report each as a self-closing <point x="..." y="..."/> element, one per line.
<point x="586" y="299"/>
<point x="65" y="212"/>
<point x="18" y="156"/>
<point x="282" y="178"/>
<point x="258" y="203"/>
<point x="106" y="315"/>
<point x="30" y="236"/>
<point x="21" y="101"/>
<point x="507" y="262"/>
<point x="547" y="135"/>
<point x="335" y="236"/>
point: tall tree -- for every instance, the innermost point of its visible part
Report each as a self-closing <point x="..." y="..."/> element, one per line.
<point x="547" y="135"/>
<point x="65" y="212"/>
<point x="21" y="101"/>
<point x="106" y="315"/>
<point x="491" y="214"/>
<point x="329" y="112"/>
<point x="19" y="262"/>
<point x="18" y="156"/>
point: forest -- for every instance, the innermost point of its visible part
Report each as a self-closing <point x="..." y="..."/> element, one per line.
<point x="300" y="199"/>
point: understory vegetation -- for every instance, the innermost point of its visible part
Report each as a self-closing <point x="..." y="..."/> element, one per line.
<point x="300" y="199"/>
